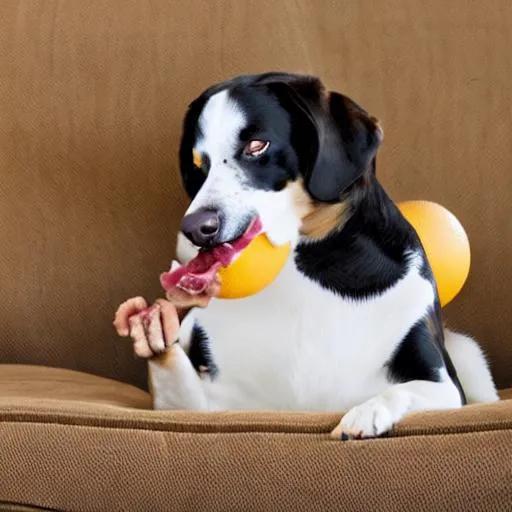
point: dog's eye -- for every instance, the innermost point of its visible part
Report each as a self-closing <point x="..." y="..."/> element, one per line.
<point x="256" y="147"/>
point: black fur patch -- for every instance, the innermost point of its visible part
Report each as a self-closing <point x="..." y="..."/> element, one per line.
<point x="267" y="121"/>
<point x="367" y="256"/>
<point x="435" y="319"/>
<point x="422" y="353"/>
<point x="450" y="368"/>
<point x="418" y="357"/>
<point x="199" y="351"/>
<point x="192" y="178"/>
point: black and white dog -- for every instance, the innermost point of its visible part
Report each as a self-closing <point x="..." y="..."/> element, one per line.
<point x="353" y="322"/>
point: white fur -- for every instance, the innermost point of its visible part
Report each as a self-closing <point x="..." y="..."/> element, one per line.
<point x="295" y="346"/>
<point x="176" y="385"/>
<point x="222" y="120"/>
<point x="378" y="414"/>
<point x="472" y="368"/>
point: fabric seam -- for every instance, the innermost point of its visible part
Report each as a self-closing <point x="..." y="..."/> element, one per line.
<point x="501" y="426"/>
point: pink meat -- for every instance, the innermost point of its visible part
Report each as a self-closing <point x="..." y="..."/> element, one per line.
<point x="200" y="273"/>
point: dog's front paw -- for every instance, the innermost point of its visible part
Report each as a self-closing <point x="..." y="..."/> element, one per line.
<point x="372" y="418"/>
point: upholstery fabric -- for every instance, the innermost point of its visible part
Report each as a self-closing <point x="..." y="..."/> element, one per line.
<point x="92" y="96"/>
<point x="39" y="383"/>
<point x="86" y="447"/>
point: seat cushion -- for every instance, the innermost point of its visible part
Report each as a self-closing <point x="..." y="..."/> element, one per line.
<point x="47" y="387"/>
<point x="72" y="441"/>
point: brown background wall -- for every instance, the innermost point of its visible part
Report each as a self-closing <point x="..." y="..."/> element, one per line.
<point x="91" y="100"/>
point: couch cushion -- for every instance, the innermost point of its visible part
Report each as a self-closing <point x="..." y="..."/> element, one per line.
<point x="49" y="387"/>
<point x="37" y="393"/>
<point x="70" y="441"/>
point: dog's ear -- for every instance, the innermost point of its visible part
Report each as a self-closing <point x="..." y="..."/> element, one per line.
<point x="341" y="138"/>
<point x="349" y="139"/>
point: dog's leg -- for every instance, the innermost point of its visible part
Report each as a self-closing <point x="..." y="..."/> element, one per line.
<point x="377" y="415"/>
<point x="174" y="382"/>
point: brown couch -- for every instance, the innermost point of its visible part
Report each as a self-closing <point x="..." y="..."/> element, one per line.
<point x="92" y="95"/>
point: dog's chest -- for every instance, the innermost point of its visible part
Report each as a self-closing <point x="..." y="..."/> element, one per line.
<point x="300" y="347"/>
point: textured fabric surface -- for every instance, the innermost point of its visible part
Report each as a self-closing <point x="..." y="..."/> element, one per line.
<point x="40" y="384"/>
<point x="92" y="96"/>
<point x="69" y="467"/>
<point x="111" y="469"/>
<point x="91" y="100"/>
<point x="13" y="507"/>
<point x="88" y="448"/>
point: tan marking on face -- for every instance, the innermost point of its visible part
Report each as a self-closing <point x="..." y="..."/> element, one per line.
<point x="318" y="219"/>
<point x="197" y="159"/>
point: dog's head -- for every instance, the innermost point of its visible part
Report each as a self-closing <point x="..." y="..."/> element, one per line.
<point x="277" y="147"/>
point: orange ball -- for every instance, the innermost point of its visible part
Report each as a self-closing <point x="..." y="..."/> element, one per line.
<point x="445" y="242"/>
<point x="254" y="269"/>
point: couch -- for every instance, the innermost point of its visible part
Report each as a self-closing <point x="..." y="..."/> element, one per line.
<point x="92" y="96"/>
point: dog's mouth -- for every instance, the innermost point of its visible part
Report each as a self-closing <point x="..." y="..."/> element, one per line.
<point x="199" y="275"/>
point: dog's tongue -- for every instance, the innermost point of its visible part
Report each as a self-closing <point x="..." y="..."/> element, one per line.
<point x="198" y="274"/>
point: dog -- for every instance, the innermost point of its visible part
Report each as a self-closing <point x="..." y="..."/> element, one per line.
<point x="353" y="322"/>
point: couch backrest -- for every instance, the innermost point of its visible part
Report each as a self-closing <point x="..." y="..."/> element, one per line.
<point x="92" y="96"/>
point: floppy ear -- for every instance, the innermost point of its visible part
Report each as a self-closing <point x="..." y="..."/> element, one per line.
<point x="342" y="138"/>
<point x="348" y="142"/>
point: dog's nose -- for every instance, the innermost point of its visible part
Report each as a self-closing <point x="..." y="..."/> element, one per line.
<point x="201" y="227"/>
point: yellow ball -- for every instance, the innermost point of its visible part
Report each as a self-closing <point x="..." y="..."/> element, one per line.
<point x="254" y="269"/>
<point x="445" y="242"/>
